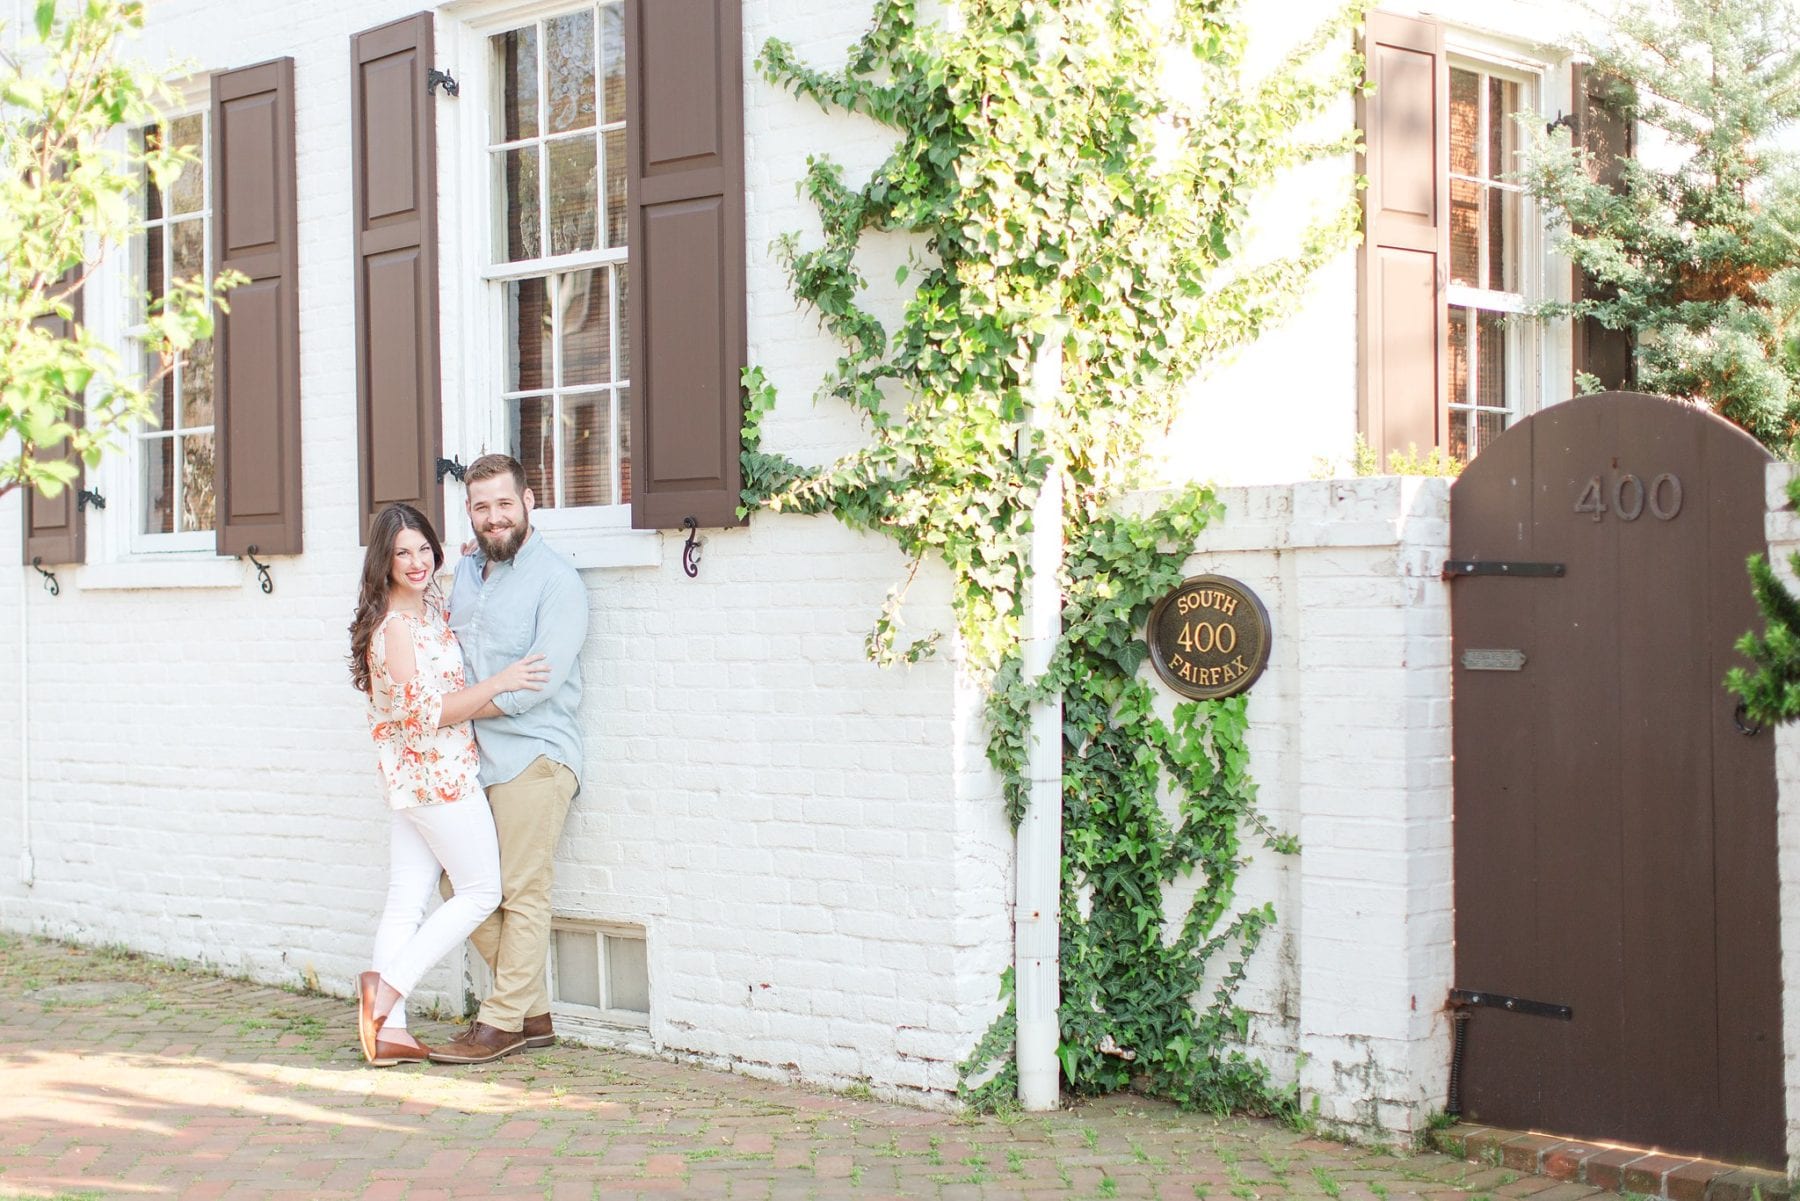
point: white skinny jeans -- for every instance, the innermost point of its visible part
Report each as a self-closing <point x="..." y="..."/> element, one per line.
<point x="457" y="839"/>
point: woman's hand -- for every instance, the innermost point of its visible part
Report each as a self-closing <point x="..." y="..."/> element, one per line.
<point x="529" y="673"/>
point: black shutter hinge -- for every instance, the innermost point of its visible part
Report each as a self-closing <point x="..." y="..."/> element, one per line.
<point x="1565" y="120"/>
<point x="262" y="570"/>
<point x="690" y="552"/>
<point x="50" y="584"/>
<point x="86" y="497"/>
<point x="433" y="77"/>
<point x="453" y="467"/>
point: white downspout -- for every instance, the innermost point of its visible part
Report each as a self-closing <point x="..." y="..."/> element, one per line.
<point x="27" y="869"/>
<point x="1038" y="897"/>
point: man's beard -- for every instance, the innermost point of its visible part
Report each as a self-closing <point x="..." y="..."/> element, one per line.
<point x="502" y="545"/>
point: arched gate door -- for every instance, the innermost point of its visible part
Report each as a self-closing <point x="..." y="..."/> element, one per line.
<point x="1615" y="830"/>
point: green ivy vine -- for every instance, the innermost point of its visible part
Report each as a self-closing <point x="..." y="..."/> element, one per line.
<point x="1066" y="199"/>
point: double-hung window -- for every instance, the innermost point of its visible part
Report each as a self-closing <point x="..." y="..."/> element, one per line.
<point x="1490" y="338"/>
<point x="173" y="461"/>
<point x="556" y="161"/>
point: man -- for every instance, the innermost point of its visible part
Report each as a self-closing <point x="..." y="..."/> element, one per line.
<point x="517" y="596"/>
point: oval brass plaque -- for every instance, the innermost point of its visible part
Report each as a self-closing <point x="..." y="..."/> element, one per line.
<point x="1209" y="638"/>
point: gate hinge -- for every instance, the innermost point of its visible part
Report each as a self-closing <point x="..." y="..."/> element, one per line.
<point x="1455" y="568"/>
<point x="1493" y="1000"/>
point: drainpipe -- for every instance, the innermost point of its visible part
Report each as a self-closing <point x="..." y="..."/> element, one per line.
<point x="1038" y="897"/>
<point x="27" y="872"/>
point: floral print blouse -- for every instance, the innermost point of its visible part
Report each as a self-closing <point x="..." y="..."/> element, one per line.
<point x="421" y="762"/>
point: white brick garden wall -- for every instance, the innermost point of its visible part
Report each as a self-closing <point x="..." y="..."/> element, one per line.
<point x="1350" y="748"/>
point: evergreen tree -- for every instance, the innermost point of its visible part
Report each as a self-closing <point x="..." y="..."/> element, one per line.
<point x="1697" y="249"/>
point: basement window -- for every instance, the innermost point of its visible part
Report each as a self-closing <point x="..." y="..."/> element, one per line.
<point x="600" y="971"/>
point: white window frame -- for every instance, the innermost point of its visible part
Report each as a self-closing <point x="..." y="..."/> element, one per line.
<point x="598" y="1015"/>
<point x="472" y="309"/>
<point x="1543" y="353"/>
<point x="118" y="557"/>
<point x="195" y="99"/>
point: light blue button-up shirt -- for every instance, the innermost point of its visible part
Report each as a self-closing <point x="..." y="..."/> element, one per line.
<point x="534" y="604"/>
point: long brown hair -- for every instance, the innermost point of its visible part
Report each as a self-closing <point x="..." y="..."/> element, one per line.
<point x="378" y="578"/>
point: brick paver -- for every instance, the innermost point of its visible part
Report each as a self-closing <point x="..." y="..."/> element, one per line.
<point x="128" y="1078"/>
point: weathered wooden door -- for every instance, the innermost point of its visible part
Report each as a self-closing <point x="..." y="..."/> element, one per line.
<point x="1615" y="829"/>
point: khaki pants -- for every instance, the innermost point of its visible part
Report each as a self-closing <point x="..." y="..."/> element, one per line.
<point x="529" y="811"/>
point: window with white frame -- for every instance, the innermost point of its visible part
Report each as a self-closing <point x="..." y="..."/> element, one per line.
<point x="1491" y="369"/>
<point x="174" y="459"/>
<point x="599" y="972"/>
<point x="556" y="150"/>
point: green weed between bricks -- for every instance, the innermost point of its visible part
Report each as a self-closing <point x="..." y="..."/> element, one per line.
<point x="1064" y="199"/>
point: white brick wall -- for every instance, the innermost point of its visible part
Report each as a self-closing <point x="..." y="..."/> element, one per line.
<point x="1783" y="527"/>
<point x="815" y="846"/>
<point x="1350" y="748"/>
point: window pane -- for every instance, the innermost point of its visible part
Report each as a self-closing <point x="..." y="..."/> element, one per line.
<point x="627" y="974"/>
<point x="615" y="187"/>
<point x="1459" y="435"/>
<point x="586" y="327"/>
<point x="1503" y="239"/>
<point x="518" y="115"/>
<point x="153" y="201"/>
<point x="197" y="386"/>
<point x="612" y="59"/>
<point x="1459" y="355"/>
<point x="519" y="187"/>
<point x="587" y="448"/>
<point x="156" y="481"/>
<point x="528" y="336"/>
<point x="623" y="436"/>
<point x="1465" y="122"/>
<point x="1465" y="232"/>
<point x="187" y="249"/>
<point x="569" y="71"/>
<point x="197" y="482"/>
<point x="188" y="193"/>
<point x="534" y="445"/>
<point x="153" y="263"/>
<point x="1503" y="131"/>
<point x="622" y="276"/>
<point x="574" y="195"/>
<point x="1490" y="358"/>
<point x="578" y="967"/>
<point x="1488" y="426"/>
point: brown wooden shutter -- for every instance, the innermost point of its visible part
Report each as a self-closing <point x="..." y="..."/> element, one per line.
<point x="685" y="111"/>
<point x="1605" y="128"/>
<point x="257" y="344"/>
<point x="1404" y="263"/>
<point x="393" y="168"/>
<point x="54" y="531"/>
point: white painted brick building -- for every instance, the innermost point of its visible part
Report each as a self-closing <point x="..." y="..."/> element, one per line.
<point x="813" y="850"/>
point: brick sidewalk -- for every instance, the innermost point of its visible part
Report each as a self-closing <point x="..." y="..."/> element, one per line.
<point x="127" y="1078"/>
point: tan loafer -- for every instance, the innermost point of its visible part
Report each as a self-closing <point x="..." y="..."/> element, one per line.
<point x="367" y="985"/>
<point x="388" y="1053"/>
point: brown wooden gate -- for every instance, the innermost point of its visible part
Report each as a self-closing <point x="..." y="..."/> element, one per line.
<point x="1615" y="831"/>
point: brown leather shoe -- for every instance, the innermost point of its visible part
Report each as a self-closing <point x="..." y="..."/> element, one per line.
<point x="480" y="1043"/>
<point x="388" y="1053"/>
<point x="539" y="1032"/>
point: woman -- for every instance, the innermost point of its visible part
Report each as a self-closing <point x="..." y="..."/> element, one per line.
<point x="404" y="657"/>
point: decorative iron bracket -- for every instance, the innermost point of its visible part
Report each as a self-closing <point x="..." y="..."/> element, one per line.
<point x="1457" y="568"/>
<point x="262" y="570"/>
<point x="1493" y="1000"/>
<point x="690" y="551"/>
<point x="1565" y="120"/>
<point x="86" y="497"/>
<point x="454" y="467"/>
<point x="50" y="584"/>
<point x="433" y="77"/>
